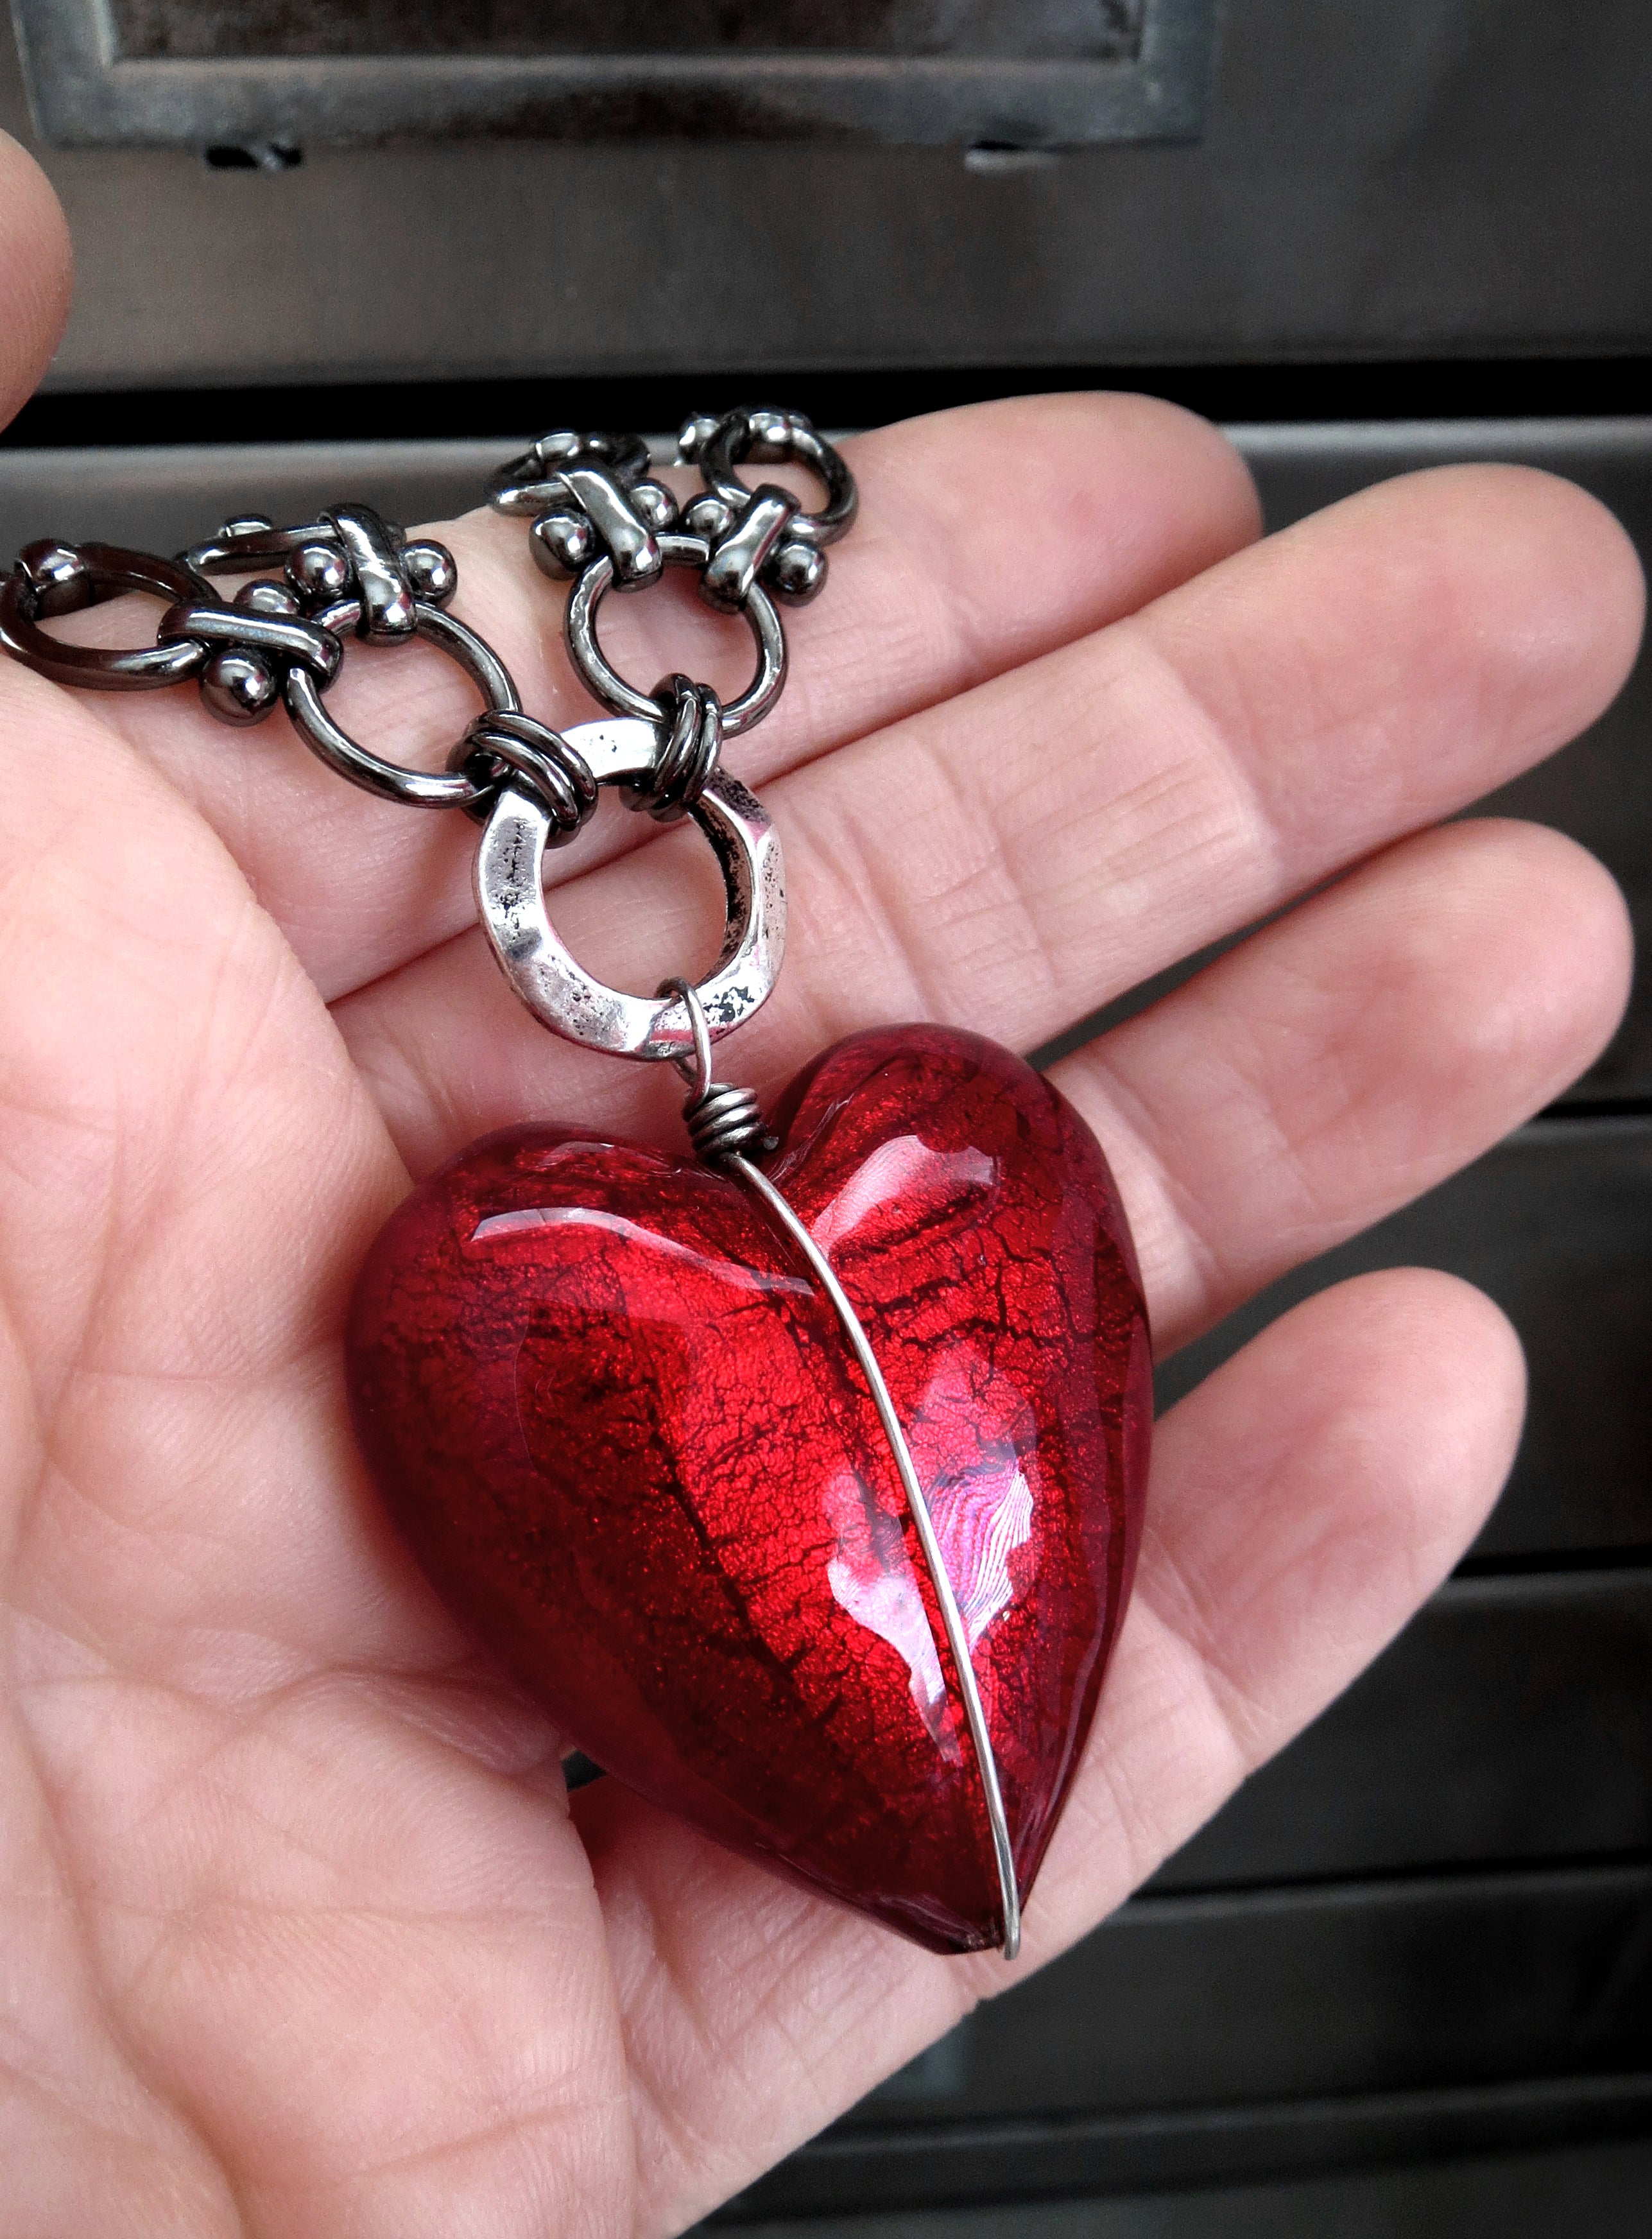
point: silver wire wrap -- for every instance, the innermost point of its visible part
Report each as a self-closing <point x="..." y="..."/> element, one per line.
<point x="721" y="1120"/>
<point x="702" y="1113"/>
<point x="726" y="1121"/>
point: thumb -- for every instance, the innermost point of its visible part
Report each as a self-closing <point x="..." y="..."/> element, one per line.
<point x="36" y="274"/>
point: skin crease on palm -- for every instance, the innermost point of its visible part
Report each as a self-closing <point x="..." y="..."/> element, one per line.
<point x="302" y="1936"/>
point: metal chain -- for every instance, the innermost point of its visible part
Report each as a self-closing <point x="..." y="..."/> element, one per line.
<point x="763" y="531"/>
<point x="599" y="518"/>
<point x="687" y="759"/>
<point x="502" y="749"/>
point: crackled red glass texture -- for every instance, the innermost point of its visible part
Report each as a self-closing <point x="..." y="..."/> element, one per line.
<point x="621" y="1429"/>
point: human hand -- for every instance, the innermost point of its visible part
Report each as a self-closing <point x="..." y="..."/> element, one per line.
<point x="301" y="1933"/>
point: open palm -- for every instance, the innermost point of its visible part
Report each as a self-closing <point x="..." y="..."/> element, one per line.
<point x="301" y="1935"/>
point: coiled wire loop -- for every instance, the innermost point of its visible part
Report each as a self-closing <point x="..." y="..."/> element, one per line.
<point x="722" y="1120"/>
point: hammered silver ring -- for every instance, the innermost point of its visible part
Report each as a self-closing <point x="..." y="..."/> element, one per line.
<point x="606" y="684"/>
<point x="561" y="994"/>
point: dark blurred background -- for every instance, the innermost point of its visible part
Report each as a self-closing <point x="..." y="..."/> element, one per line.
<point x="1404" y="1983"/>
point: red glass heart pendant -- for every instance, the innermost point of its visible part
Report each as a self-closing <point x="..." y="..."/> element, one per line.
<point x="620" y="1426"/>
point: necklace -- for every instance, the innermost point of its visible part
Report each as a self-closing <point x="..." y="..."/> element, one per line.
<point x="800" y="1479"/>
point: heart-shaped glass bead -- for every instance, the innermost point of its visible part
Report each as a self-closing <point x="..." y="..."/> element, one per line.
<point x="620" y="1426"/>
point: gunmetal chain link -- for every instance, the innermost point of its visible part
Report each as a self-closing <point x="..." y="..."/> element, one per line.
<point x="687" y="758"/>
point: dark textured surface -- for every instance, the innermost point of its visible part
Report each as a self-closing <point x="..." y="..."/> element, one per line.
<point x="1556" y="1226"/>
<point x="390" y="27"/>
<point x="1395" y="179"/>
<point x="1600" y="2190"/>
<point x="623" y="1434"/>
<point x="1194" y="2038"/>
<point x="276" y="76"/>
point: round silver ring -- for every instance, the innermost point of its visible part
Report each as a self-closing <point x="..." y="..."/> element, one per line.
<point x="390" y="781"/>
<point x="561" y="994"/>
<point x="606" y="684"/>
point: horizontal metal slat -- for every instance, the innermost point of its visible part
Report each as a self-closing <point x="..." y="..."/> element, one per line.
<point x="1521" y="2193"/>
<point x="1202" y="2040"/>
<point x="1511" y="1720"/>
<point x="1466" y="177"/>
<point x="1556" y="1226"/>
<point x="1357" y="1987"/>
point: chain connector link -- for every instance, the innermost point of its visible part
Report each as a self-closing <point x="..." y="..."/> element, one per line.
<point x="504" y="747"/>
<point x="688" y="753"/>
<point x="737" y="521"/>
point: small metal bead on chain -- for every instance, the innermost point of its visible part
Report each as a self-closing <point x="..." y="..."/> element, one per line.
<point x="763" y="534"/>
<point x="58" y="579"/>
